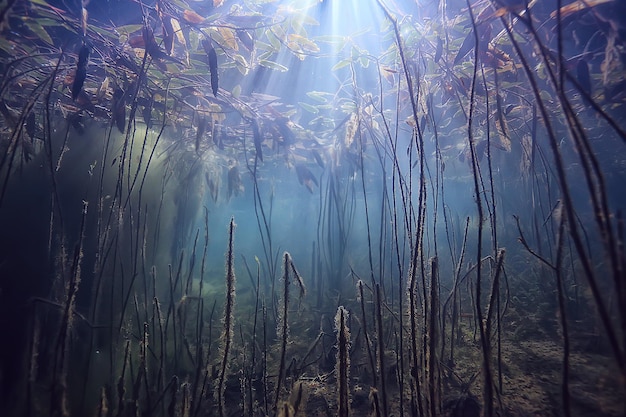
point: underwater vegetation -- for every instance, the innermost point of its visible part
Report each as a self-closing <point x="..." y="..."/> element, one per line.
<point x="312" y="208"/>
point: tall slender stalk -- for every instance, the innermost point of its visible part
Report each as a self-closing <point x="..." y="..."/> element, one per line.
<point x="368" y="342"/>
<point x="342" y="369"/>
<point x="433" y="340"/>
<point x="283" y="329"/>
<point x="487" y="378"/>
<point x="381" y="350"/>
<point x="229" y="306"/>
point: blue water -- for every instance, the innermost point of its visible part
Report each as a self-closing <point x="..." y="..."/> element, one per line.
<point x="375" y="154"/>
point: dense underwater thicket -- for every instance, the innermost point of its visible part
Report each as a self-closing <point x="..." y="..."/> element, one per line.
<point x="312" y="208"/>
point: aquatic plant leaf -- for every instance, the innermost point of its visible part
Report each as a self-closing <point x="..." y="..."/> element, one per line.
<point x="273" y="65"/>
<point x="341" y="64"/>
<point x="212" y="61"/>
<point x="192" y="17"/>
<point x="297" y="27"/>
<point x="264" y="55"/>
<point x="308" y="107"/>
<point x="525" y="161"/>
<point x="318" y="96"/>
<point x="273" y="39"/>
<point x="242" y="63"/>
<point x="38" y="30"/>
<point x="194" y="40"/>
<point x="466" y="47"/>
<point x="364" y="61"/>
<point x="81" y="71"/>
<point x="577" y="6"/>
<point x="306" y="177"/>
<point x="303" y="43"/>
<point x="43" y="3"/>
<point x="246" y="39"/>
<point x="236" y="91"/>
<point x="546" y="96"/>
<point x="248" y="21"/>
<point x="7" y="46"/>
<point x="228" y="38"/>
<point x="280" y="32"/>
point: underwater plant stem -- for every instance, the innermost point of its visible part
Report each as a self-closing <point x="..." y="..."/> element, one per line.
<point x="487" y="382"/>
<point x="264" y="222"/>
<point x="417" y="258"/>
<point x="381" y="350"/>
<point x="343" y="362"/>
<point x="283" y="327"/>
<point x="454" y="293"/>
<point x="433" y="338"/>
<point x="416" y="391"/>
<point x="194" y="400"/>
<point x="565" y="393"/>
<point x="253" y="361"/>
<point x="266" y="403"/>
<point x="368" y="342"/>
<point x="367" y="215"/>
<point x="58" y="404"/>
<point x="121" y="390"/>
<point x="495" y="289"/>
<point x="207" y="368"/>
<point x="568" y="206"/>
<point x="227" y="335"/>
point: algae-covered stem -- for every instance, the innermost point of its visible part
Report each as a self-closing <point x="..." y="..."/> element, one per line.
<point x="487" y="378"/>
<point x="200" y="319"/>
<point x="417" y="254"/>
<point x="58" y="399"/>
<point x="597" y="192"/>
<point x="368" y="342"/>
<point x="381" y="350"/>
<point x="227" y="334"/>
<point x="433" y="340"/>
<point x="254" y="338"/>
<point x="343" y="362"/>
<point x="283" y="327"/>
<point x="264" y="221"/>
<point x="574" y="232"/>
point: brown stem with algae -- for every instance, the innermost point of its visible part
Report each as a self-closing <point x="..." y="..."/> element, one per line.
<point x="227" y="334"/>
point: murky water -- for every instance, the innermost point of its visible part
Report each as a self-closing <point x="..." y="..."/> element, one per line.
<point x="320" y="208"/>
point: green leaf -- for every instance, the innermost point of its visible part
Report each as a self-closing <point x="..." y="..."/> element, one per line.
<point x="273" y="40"/>
<point x="308" y="107"/>
<point x="273" y="65"/>
<point x="128" y="29"/>
<point x="38" y="30"/>
<point x="40" y="2"/>
<point x="194" y="40"/>
<point x="341" y="64"/>
<point x="242" y="64"/>
<point x="318" y="96"/>
<point x="364" y="60"/>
